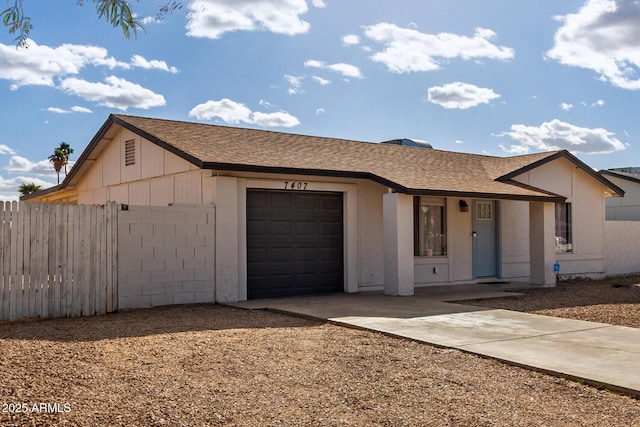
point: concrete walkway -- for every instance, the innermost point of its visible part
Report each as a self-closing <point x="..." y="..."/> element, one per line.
<point x="597" y="353"/>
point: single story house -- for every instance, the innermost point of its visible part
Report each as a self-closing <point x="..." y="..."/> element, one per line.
<point x="625" y="208"/>
<point x="300" y="214"/>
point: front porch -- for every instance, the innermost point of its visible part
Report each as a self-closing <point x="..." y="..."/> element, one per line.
<point x="459" y="255"/>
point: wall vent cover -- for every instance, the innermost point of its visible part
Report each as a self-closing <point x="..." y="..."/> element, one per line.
<point x="130" y="152"/>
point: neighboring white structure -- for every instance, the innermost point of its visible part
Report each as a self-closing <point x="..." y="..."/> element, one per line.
<point x="300" y="214"/>
<point x="625" y="208"/>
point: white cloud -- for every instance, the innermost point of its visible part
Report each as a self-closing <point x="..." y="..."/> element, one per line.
<point x="313" y="63"/>
<point x="347" y="70"/>
<point x="598" y="103"/>
<point x="319" y="3"/>
<point x="22" y="165"/>
<point x="603" y="36"/>
<point x="58" y="110"/>
<point x="75" y="109"/>
<point x="277" y="119"/>
<point x="212" y="18"/>
<point x="78" y="109"/>
<point x="6" y="150"/>
<point x="460" y="95"/>
<point x="407" y="50"/>
<point x="319" y="111"/>
<point x="227" y="110"/>
<point x="558" y="135"/>
<point x="351" y="39"/>
<point x="154" y="64"/>
<point x="295" y="84"/>
<point x="320" y="80"/>
<point x="114" y="93"/>
<point x="9" y="186"/>
<point x="234" y="112"/>
<point x="566" y="107"/>
<point x="39" y="65"/>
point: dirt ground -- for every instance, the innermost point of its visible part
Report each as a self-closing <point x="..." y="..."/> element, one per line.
<point x="212" y="365"/>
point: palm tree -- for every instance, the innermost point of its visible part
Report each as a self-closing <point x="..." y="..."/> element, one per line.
<point x="67" y="151"/>
<point x="25" y="188"/>
<point x="57" y="160"/>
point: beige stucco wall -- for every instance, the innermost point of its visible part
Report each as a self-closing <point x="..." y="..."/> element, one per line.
<point x="514" y="240"/>
<point x="625" y="208"/>
<point x="587" y="198"/>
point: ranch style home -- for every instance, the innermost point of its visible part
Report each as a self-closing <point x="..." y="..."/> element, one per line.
<point x="298" y="215"/>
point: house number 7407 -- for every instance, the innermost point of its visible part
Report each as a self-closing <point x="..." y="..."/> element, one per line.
<point x="295" y="185"/>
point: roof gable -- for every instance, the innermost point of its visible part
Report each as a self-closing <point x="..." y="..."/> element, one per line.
<point x="615" y="190"/>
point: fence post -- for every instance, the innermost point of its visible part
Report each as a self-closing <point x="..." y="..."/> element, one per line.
<point x="4" y="280"/>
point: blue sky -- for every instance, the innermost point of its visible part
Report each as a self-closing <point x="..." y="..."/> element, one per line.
<point x="497" y="77"/>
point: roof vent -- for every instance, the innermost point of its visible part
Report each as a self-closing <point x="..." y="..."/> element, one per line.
<point x="407" y="142"/>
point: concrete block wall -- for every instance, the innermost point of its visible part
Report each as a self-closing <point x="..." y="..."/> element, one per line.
<point x="166" y="255"/>
<point x="622" y="247"/>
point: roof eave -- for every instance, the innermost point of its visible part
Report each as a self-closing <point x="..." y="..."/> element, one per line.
<point x="383" y="181"/>
<point x="621" y="176"/>
<point x="40" y="193"/>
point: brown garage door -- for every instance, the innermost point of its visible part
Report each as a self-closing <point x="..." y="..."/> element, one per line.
<point x="294" y="243"/>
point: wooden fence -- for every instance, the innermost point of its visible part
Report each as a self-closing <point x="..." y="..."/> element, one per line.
<point x="57" y="260"/>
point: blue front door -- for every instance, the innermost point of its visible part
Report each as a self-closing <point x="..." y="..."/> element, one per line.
<point x="485" y="248"/>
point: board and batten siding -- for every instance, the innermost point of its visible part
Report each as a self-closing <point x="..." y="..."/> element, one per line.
<point x="57" y="260"/>
<point x="143" y="175"/>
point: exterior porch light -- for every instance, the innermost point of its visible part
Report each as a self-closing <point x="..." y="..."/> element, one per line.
<point x="464" y="207"/>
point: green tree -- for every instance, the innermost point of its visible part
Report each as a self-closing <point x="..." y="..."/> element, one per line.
<point x="67" y="151"/>
<point x="25" y="189"/>
<point x="118" y="13"/>
<point x="57" y="160"/>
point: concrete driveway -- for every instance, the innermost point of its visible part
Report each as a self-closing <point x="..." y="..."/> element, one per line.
<point x="597" y="353"/>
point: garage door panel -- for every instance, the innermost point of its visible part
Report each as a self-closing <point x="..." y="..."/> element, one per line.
<point x="331" y="229"/>
<point x="306" y="201"/>
<point x="328" y="254"/>
<point x="279" y="228"/>
<point x="330" y="204"/>
<point x="300" y="251"/>
<point x="258" y="227"/>
<point x="280" y="200"/>
<point x="306" y="228"/>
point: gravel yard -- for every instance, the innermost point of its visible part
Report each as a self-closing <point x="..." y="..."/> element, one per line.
<point x="615" y="301"/>
<point x="214" y="365"/>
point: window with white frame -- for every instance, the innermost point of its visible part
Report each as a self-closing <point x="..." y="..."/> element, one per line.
<point x="430" y="226"/>
<point x="564" y="237"/>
